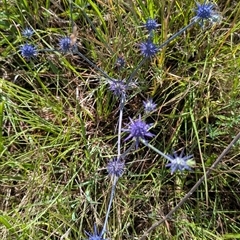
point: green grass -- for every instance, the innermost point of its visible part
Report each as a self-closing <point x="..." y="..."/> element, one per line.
<point x="58" y="122"/>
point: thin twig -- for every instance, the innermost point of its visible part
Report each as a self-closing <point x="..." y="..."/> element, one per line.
<point x="193" y="189"/>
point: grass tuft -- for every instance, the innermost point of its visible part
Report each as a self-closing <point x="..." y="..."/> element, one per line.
<point x="58" y="121"/>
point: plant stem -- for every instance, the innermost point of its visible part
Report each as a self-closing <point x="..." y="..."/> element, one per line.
<point x="161" y="46"/>
<point x="122" y="103"/>
<point x="178" y="33"/>
<point x="115" y="178"/>
<point x="92" y="64"/>
<point x="155" y="149"/>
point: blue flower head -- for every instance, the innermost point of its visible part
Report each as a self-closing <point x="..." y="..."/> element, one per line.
<point x="28" y="51"/>
<point x="138" y="129"/>
<point x="180" y="162"/>
<point x="120" y="62"/>
<point x="118" y="87"/>
<point x="27" y="32"/>
<point x="65" y="44"/>
<point x="206" y="11"/>
<point x="148" y="49"/>
<point x="95" y="235"/>
<point x="149" y="105"/>
<point x="116" y="167"/>
<point x="151" y="24"/>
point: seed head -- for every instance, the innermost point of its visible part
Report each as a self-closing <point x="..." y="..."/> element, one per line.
<point x="28" y="51"/>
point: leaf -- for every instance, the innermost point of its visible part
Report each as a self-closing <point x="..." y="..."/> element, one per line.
<point x="231" y="236"/>
<point x="5" y="222"/>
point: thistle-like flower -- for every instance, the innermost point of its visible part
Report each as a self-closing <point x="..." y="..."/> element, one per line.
<point x="206" y="11"/>
<point x="149" y="105"/>
<point x="27" y="32"/>
<point x="116" y="167"/>
<point x="95" y="235"/>
<point x="138" y="129"/>
<point x="148" y="49"/>
<point x="151" y="24"/>
<point x="180" y="162"/>
<point x="118" y="87"/>
<point x="65" y="44"/>
<point x="120" y="62"/>
<point x="28" y="51"/>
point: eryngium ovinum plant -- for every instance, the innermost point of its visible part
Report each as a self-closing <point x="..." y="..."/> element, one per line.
<point x="137" y="129"/>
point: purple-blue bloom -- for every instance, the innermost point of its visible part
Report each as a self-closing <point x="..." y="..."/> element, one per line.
<point x="149" y="105"/>
<point x="151" y="24"/>
<point x="148" y="49"/>
<point x="27" y="32"/>
<point x="138" y="129"/>
<point x="120" y="62"/>
<point x="206" y="11"/>
<point x="65" y="44"/>
<point x="28" y="51"/>
<point x="116" y="167"/>
<point x="180" y="162"/>
<point x="118" y="87"/>
<point x="95" y="235"/>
